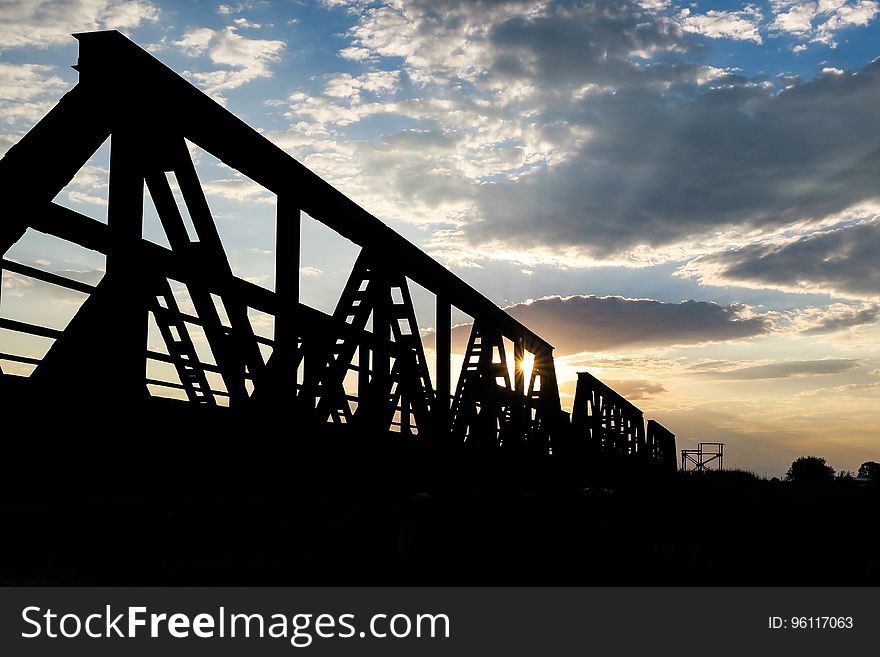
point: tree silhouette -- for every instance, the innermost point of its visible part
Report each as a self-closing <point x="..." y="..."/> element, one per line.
<point x="810" y="470"/>
<point x="870" y="469"/>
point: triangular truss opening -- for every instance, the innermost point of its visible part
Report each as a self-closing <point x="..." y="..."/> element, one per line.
<point x="88" y="191"/>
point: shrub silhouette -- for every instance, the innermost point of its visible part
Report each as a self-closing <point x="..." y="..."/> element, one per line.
<point x="845" y="478"/>
<point x="810" y="470"/>
<point x="870" y="469"/>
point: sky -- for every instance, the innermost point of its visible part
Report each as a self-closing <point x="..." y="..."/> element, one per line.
<point x="681" y="197"/>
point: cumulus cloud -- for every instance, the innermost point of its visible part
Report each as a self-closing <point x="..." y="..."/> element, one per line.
<point x="820" y="21"/>
<point x="27" y="93"/>
<point x="237" y="8"/>
<point x="249" y="25"/>
<point x="841" y="261"/>
<point x="25" y="82"/>
<point x="794" y="17"/>
<point x="44" y="23"/>
<point x="742" y="25"/>
<point x="244" y="59"/>
<point x="345" y="85"/>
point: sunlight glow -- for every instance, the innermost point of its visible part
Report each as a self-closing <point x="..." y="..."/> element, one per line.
<point x="528" y="362"/>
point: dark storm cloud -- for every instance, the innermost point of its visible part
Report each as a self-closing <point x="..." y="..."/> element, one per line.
<point x="590" y="323"/>
<point x="583" y="42"/>
<point x="781" y="370"/>
<point x="662" y="166"/>
<point x="842" y="261"/>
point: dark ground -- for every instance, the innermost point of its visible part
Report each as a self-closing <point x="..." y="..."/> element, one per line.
<point x="106" y="496"/>
<point x="721" y="528"/>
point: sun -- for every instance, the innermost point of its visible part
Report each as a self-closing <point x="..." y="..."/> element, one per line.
<point x="527" y="364"/>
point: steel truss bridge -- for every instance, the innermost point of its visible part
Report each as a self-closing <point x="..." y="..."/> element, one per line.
<point x="362" y="368"/>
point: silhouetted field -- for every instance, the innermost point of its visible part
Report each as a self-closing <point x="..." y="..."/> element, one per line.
<point x="168" y="497"/>
<point x="718" y="528"/>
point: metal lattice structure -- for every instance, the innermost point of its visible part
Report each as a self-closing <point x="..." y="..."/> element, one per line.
<point x="707" y="456"/>
<point x="610" y="424"/>
<point x="308" y="366"/>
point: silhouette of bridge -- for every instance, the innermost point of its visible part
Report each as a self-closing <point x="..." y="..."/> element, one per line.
<point x="362" y="370"/>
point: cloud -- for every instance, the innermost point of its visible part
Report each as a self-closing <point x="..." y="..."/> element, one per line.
<point x="576" y="133"/>
<point x="237" y="8"/>
<point x="89" y="186"/>
<point x="591" y="42"/>
<point x="238" y="189"/>
<point x="743" y="25"/>
<point x="90" y="276"/>
<point x="723" y="371"/>
<point x="352" y="88"/>
<point x="820" y="21"/>
<point x="249" y="25"/>
<point x="623" y="364"/>
<point x="44" y="23"/>
<point x="844" y="15"/>
<point x="355" y="54"/>
<point x="27" y="93"/>
<point x="840" y="318"/>
<point x="19" y="286"/>
<point x="245" y="59"/>
<point x="794" y="17"/>
<point x="484" y="80"/>
<point x="848" y="390"/>
<point x="671" y="171"/>
<point x="636" y="389"/>
<point x="83" y="197"/>
<point x="831" y="318"/>
<point x="841" y="261"/>
<point x="630" y="389"/>
<point x="589" y="323"/>
<point x="25" y="82"/>
<point x="16" y="285"/>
